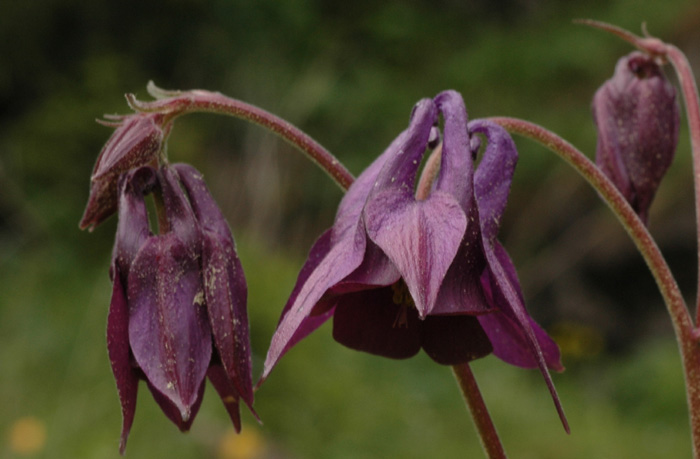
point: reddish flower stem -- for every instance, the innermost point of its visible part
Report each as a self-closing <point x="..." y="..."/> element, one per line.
<point x="177" y="103"/>
<point x="677" y="309"/>
<point x="463" y="373"/>
<point x="690" y="96"/>
<point x="480" y="414"/>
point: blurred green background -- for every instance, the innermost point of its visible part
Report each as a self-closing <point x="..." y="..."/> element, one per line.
<point x="348" y="73"/>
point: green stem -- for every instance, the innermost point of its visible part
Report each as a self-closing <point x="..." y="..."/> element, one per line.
<point x="677" y="309"/>
<point x="480" y="414"/>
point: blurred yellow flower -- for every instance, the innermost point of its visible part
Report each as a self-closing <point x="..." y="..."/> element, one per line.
<point x="249" y="444"/>
<point x="578" y="341"/>
<point x="27" y="436"/>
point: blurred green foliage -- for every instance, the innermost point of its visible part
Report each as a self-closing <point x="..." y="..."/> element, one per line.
<point x="348" y="73"/>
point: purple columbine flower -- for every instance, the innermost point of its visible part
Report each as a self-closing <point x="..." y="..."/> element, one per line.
<point x="400" y="272"/>
<point x="178" y="308"/>
<point x="136" y="141"/>
<point x="638" y="119"/>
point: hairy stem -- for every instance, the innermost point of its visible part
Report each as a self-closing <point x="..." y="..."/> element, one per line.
<point x="690" y="96"/>
<point x="675" y="304"/>
<point x="667" y="52"/>
<point x="179" y="103"/>
<point x="480" y="414"/>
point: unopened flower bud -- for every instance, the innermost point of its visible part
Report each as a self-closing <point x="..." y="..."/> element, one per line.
<point x="637" y="117"/>
<point x="136" y="142"/>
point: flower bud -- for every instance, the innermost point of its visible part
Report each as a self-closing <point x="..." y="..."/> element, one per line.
<point x="637" y="117"/>
<point x="136" y="142"/>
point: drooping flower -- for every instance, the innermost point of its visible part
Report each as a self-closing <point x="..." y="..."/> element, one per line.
<point x="637" y="117"/>
<point x="399" y="272"/>
<point x="178" y="308"/>
<point x="136" y="141"/>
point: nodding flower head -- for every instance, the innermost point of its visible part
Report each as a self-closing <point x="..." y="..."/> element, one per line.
<point x="408" y="267"/>
<point x="637" y="117"/>
<point x="178" y="308"/>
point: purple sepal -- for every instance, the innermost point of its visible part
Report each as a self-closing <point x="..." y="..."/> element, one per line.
<point x="119" y="357"/>
<point x="173" y="412"/>
<point x="225" y="287"/>
<point x="227" y="392"/>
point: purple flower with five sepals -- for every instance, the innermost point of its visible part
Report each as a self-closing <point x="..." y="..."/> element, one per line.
<point x="638" y="122"/>
<point x="175" y="294"/>
<point x="400" y="272"/>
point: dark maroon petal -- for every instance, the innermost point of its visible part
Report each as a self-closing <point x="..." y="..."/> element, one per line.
<point x="421" y="238"/>
<point x="169" y="329"/>
<point x="227" y="392"/>
<point x="494" y="175"/>
<point x="369" y="321"/>
<point x="451" y="340"/>
<point x="118" y="349"/>
<point x="225" y="288"/>
<point x="173" y="412"/>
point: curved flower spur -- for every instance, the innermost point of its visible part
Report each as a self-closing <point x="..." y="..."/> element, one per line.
<point x="174" y="295"/>
<point x="400" y="272"/>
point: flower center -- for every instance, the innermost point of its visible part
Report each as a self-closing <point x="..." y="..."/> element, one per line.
<point x="402" y="297"/>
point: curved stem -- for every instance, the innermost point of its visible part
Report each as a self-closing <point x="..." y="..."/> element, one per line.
<point x="667" y="52"/>
<point x="690" y="95"/>
<point x="197" y="101"/>
<point x="480" y="414"/>
<point x="677" y="309"/>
